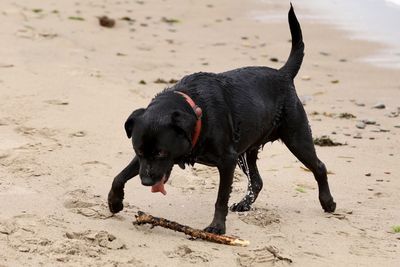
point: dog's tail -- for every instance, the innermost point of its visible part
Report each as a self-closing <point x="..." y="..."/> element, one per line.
<point x="295" y="59"/>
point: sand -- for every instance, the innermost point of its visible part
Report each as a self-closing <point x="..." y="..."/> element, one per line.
<point x="67" y="85"/>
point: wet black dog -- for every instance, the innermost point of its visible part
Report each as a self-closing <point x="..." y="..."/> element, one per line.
<point x="222" y="120"/>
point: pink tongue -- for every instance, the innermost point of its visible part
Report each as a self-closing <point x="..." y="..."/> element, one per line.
<point x="159" y="187"/>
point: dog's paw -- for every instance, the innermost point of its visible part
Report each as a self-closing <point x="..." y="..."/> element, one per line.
<point x="219" y="230"/>
<point x="114" y="202"/>
<point x="328" y="205"/>
<point x="241" y="206"/>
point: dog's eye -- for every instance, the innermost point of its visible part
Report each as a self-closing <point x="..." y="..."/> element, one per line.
<point x="161" y="154"/>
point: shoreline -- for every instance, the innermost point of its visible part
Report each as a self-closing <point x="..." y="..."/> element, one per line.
<point x="372" y="21"/>
<point x="355" y="26"/>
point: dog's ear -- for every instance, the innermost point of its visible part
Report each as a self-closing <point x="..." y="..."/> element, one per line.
<point x="183" y="121"/>
<point x="131" y="120"/>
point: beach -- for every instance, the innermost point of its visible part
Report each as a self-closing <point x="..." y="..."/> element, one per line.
<point x="67" y="85"/>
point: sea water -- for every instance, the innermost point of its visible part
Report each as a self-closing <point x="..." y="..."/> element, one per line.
<point x="372" y="20"/>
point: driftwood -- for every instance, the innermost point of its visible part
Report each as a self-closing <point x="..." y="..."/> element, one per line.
<point x="143" y="218"/>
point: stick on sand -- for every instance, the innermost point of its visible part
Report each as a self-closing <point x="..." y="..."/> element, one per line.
<point x="143" y="218"/>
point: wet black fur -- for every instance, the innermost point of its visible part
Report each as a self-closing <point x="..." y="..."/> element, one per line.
<point x="242" y="110"/>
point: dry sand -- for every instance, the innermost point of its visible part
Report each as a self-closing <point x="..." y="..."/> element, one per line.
<point x="67" y="85"/>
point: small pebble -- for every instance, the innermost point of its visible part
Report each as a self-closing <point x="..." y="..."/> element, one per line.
<point x="379" y="106"/>
<point x="306" y="78"/>
<point x="392" y="114"/>
<point x="106" y="22"/>
<point x="383" y="130"/>
<point x="359" y="104"/>
<point x="23" y="248"/>
<point x="357" y="136"/>
<point x="78" y="134"/>
<point x="368" y="174"/>
<point x="369" y="121"/>
<point x="360" y="125"/>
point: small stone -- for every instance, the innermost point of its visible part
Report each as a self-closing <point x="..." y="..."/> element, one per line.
<point x="70" y="235"/>
<point x="359" y="104"/>
<point x="369" y="121"/>
<point x="368" y="174"/>
<point x="23" y="248"/>
<point x="306" y="78"/>
<point x="397" y="126"/>
<point x="273" y="59"/>
<point x="357" y="136"/>
<point x="379" y="106"/>
<point x="78" y="134"/>
<point x="384" y="130"/>
<point x="360" y="125"/>
<point x="106" y="22"/>
<point x="57" y="102"/>
<point x="392" y="114"/>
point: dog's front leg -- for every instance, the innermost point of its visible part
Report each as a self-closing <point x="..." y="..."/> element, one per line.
<point x="226" y="170"/>
<point x="116" y="194"/>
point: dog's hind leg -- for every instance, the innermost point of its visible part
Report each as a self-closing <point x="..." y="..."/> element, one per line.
<point x="247" y="163"/>
<point x="296" y="134"/>
<point x="116" y="194"/>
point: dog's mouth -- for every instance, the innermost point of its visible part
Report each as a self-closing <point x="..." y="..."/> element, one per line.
<point x="159" y="186"/>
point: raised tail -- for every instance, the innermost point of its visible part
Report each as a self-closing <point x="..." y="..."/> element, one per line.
<point x="295" y="59"/>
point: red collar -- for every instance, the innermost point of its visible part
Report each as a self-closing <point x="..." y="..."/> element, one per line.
<point x="197" y="110"/>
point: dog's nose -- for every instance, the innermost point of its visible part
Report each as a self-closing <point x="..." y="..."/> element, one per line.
<point x="147" y="181"/>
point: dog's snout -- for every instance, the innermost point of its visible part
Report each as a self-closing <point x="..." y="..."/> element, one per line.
<point x="147" y="181"/>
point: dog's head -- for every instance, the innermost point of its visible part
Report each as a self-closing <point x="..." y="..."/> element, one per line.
<point x="160" y="137"/>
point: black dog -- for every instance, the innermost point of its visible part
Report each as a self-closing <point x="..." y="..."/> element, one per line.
<point x="223" y="120"/>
